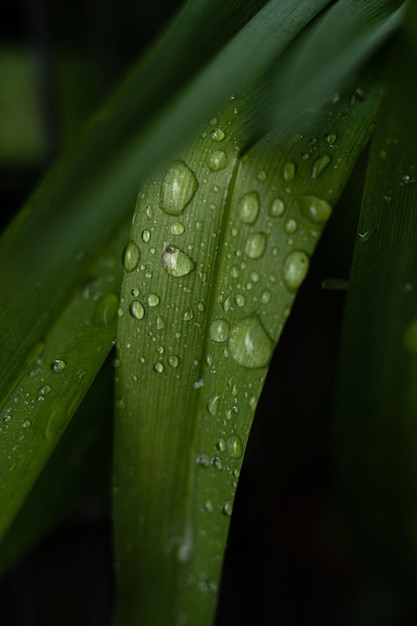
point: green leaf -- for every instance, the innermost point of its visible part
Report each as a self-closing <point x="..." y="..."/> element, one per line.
<point x="221" y="241"/>
<point x="377" y="399"/>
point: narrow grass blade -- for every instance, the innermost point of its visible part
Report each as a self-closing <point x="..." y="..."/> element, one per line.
<point x="377" y="399"/>
<point x="34" y="415"/>
<point x="221" y="241"/>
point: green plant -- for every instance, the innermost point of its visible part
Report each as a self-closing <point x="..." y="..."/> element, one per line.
<point x="240" y="159"/>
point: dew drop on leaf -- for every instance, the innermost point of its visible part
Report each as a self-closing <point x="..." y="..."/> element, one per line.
<point x="178" y="188"/>
<point x="212" y="405"/>
<point x="248" y="208"/>
<point x="177" y="228"/>
<point x="219" y="330"/>
<point x="276" y="208"/>
<point x="249" y="343"/>
<point x="331" y="139"/>
<point x="136" y="310"/>
<point x="315" y="209"/>
<point x="295" y="269"/>
<point x="320" y="165"/>
<point x="217" y="134"/>
<point x="217" y="161"/>
<point x="175" y="262"/>
<point x="158" y="367"/>
<point x="288" y="172"/>
<point x="130" y="256"/>
<point x="173" y="361"/>
<point x="153" y="299"/>
<point x="57" y="366"/>
<point x="291" y="226"/>
<point x="227" y="509"/>
<point x="106" y="309"/>
<point x="255" y="245"/>
<point x="146" y="236"/>
<point x="235" y="446"/>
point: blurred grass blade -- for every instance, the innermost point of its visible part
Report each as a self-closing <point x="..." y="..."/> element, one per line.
<point x="83" y="200"/>
<point x="80" y="463"/>
<point x="220" y="243"/>
<point x="377" y="399"/>
<point x="34" y="415"/>
<point x="330" y="50"/>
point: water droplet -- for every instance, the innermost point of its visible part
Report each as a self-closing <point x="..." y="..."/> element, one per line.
<point x="365" y="235"/>
<point x="26" y="424"/>
<point x="288" y="172"/>
<point x="235" y="446"/>
<point x="158" y="367"/>
<point x="135" y="292"/>
<point x="212" y="405"/>
<point x="255" y="245"/>
<point x="217" y="462"/>
<point x="130" y="256"/>
<point x="249" y="344"/>
<point x="146" y="236"/>
<point x="234" y="271"/>
<point x="265" y="296"/>
<point x="213" y="121"/>
<point x="106" y="308"/>
<point x="219" y="330"/>
<point x="240" y="300"/>
<point x="136" y="310"/>
<point x="43" y="391"/>
<point x="295" y="269"/>
<point x="57" y="366"/>
<point x="227" y="509"/>
<point x="208" y="506"/>
<point x="177" y="228"/>
<point x="221" y="445"/>
<point x="320" y="165"/>
<point x="262" y="176"/>
<point x="331" y="139"/>
<point x="173" y="361"/>
<point x="153" y="299"/>
<point x="218" y="161"/>
<point x="160" y="323"/>
<point x="203" y="460"/>
<point x="291" y="226"/>
<point x="175" y="262"/>
<point x="248" y="208"/>
<point x="188" y="315"/>
<point x="277" y="208"/>
<point x="316" y="209"/>
<point x="178" y="188"/>
<point x="217" y="134"/>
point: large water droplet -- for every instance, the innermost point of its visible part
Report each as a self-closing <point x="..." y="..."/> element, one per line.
<point x="173" y="360"/>
<point x="217" y="134"/>
<point x="248" y="208"/>
<point x="288" y="171"/>
<point x="331" y="139"/>
<point x="158" y="367"/>
<point x="255" y="245"/>
<point x="130" y="256"/>
<point x="219" y="330"/>
<point x="316" y="209"/>
<point x="291" y="226"/>
<point x="295" y="269"/>
<point x="218" y="161"/>
<point x="320" y="165"/>
<point x="153" y="299"/>
<point x="249" y="344"/>
<point x="178" y="188"/>
<point x="175" y="262"/>
<point x="136" y="310"/>
<point x="177" y="228"/>
<point x="235" y="446"/>
<point x="277" y="208"/>
<point x="57" y="366"/>
<point x="227" y="509"/>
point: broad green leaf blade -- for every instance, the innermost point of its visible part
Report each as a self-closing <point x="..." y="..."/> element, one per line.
<point x="377" y="399"/>
<point x="34" y="415"/>
<point x="80" y="463"/>
<point x="330" y="50"/>
<point x="87" y="195"/>
<point x="220" y="243"/>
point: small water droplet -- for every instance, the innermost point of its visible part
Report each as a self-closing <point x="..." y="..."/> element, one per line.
<point x="331" y="139"/>
<point x="248" y="208"/>
<point x="26" y="424"/>
<point x="130" y="256"/>
<point x="175" y="262"/>
<point x="249" y="344"/>
<point x="365" y="235"/>
<point x="277" y="208"/>
<point x="295" y="269"/>
<point x="208" y="506"/>
<point x="262" y="176"/>
<point x="57" y="366"/>
<point x="315" y="209"/>
<point x="203" y="460"/>
<point x="218" y="161"/>
<point x="106" y="308"/>
<point x="265" y="296"/>
<point x="135" y="292"/>
<point x="178" y="188"/>
<point x="217" y="134"/>
<point x="158" y="367"/>
<point x="219" y="330"/>
<point x="256" y="245"/>
<point x="227" y="509"/>
<point x="136" y="310"/>
<point x="288" y="172"/>
<point x="212" y="405"/>
<point x="160" y="323"/>
<point x="240" y="300"/>
<point x="146" y="236"/>
<point x="291" y="226"/>
<point x="217" y="462"/>
<point x="221" y="445"/>
<point x="188" y="315"/>
<point x="153" y="299"/>
<point x="173" y="361"/>
<point x="234" y="271"/>
<point x="213" y="121"/>
<point x="43" y="391"/>
<point x="177" y="228"/>
<point x="320" y="165"/>
<point x="235" y="446"/>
